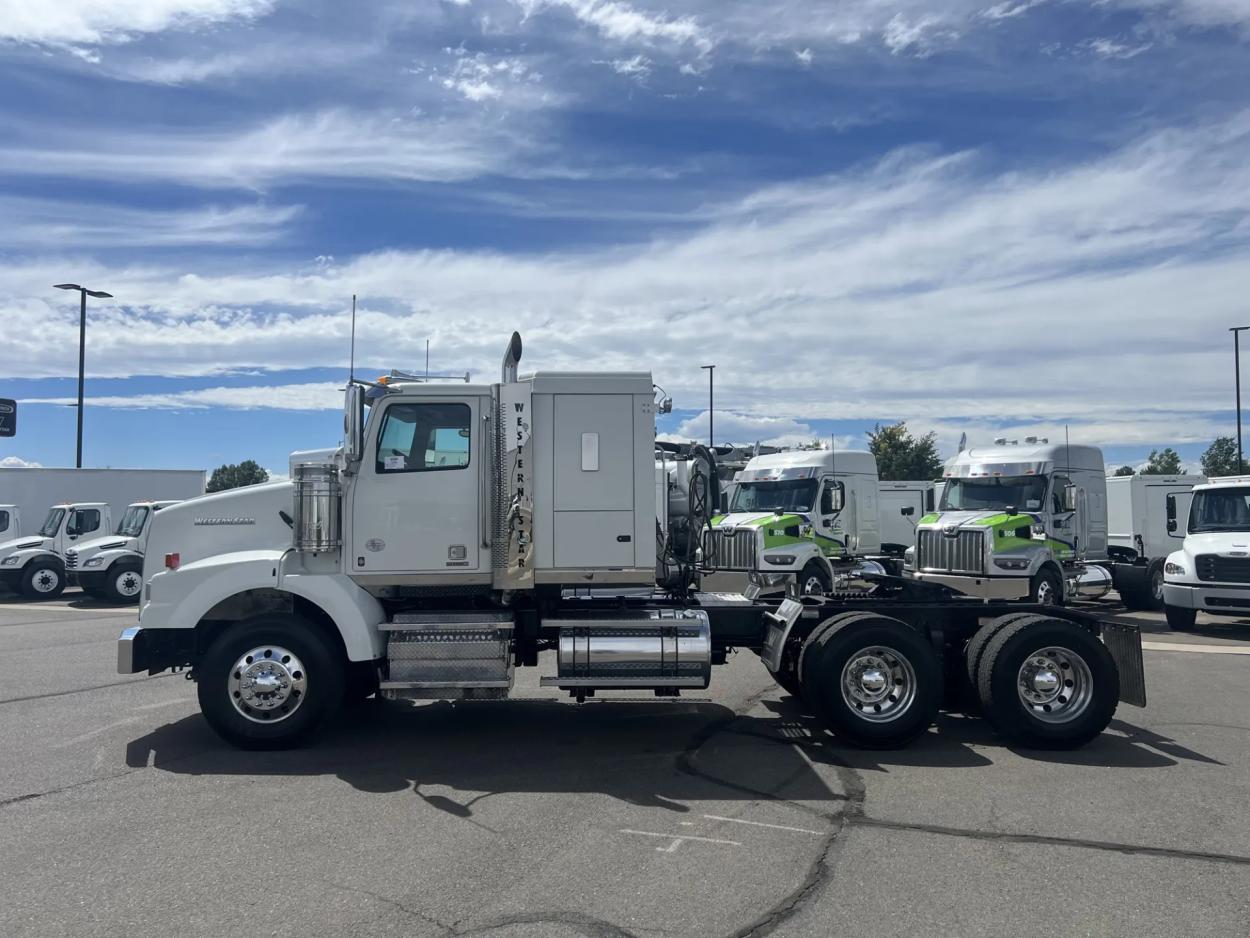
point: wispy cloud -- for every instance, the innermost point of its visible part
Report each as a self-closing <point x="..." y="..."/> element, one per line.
<point x="92" y="21"/>
<point x="300" y="397"/>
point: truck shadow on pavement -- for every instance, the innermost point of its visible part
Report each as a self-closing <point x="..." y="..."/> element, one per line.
<point x="452" y="756"/>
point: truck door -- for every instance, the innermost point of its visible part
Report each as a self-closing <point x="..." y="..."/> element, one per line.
<point x="82" y="522"/>
<point x="416" y="498"/>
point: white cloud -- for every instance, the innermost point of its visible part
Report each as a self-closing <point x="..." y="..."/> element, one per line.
<point x="744" y="429"/>
<point x="917" y="36"/>
<point x="17" y="462"/>
<point x="625" y="23"/>
<point x="1112" y="49"/>
<point x="1009" y="9"/>
<point x="99" y="21"/>
<point x="639" y="66"/>
<point x="804" y="57"/>
<point x="482" y="77"/>
<point x="308" y="396"/>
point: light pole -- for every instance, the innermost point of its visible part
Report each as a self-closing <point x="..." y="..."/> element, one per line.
<point x="83" y="293"/>
<point x="711" y="401"/>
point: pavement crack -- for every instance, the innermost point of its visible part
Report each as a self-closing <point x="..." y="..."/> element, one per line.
<point x="587" y="925"/>
<point x="392" y="903"/>
<point x="1172" y="853"/>
<point x="80" y="690"/>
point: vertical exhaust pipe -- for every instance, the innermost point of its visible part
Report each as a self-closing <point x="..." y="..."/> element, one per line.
<point x="510" y="359"/>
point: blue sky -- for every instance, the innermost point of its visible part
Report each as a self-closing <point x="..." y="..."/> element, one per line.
<point x="982" y="217"/>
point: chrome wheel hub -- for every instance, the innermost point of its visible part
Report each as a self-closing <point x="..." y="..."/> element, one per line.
<point x="45" y="580"/>
<point x="128" y="583"/>
<point x="813" y="587"/>
<point x="879" y="684"/>
<point x="1055" y="685"/>
<point x="267" y="684"/>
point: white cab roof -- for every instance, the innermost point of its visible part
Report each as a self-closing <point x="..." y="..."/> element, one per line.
<point x="1220" y="481"/>
<point x="838" y="462"/>
<point x="1025" y="458"/>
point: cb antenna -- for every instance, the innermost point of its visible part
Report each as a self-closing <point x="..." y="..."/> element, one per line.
<point x="351" y="365"/>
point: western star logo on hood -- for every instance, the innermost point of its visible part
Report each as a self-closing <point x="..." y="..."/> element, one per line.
<point x="223" y="521"/>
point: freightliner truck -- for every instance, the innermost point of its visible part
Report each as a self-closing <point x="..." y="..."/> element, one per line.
<point x="462" y="532"/>
<point x="1211" y="570"/>
<point x="1041" y="522"/>
<point x="110" y="567"/>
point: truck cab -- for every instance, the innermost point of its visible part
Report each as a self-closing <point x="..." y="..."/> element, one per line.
<point x="1211" y="570"/>
<point x="110" y="567"/>
<point x="1018" y="521"/>
<point x="806" y="514"/>
<point x="10" y="522"/>
<point x="34" y="566"/>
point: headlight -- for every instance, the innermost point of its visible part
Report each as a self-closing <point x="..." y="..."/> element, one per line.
<point x="1173" y="569"/>
<point x="779" y="560"/>
<point x="1012" y="563"/>
<point x="12" y="561"/>
<point x="94" y="562"/>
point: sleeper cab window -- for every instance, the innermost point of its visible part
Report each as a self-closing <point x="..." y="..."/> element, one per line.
<point x="426" y="437"/>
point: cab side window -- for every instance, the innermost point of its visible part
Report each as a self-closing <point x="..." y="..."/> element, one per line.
<point x="424" y="438"/>
<point x="4" y="521"/>
<point x="85" y="521"/>
<point x="1056" y="494"/>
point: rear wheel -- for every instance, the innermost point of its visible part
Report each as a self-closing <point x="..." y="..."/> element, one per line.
<point x="1154" y="582"/>
<point x="43" y="580"/>
<point x="270" y="683"/>
<point x="1048" y="684"/>
<point x="1180" y="619"/>
<point x="876" y="682"/>
<point x="980" y="641"/>
<point x="123" y="583"/>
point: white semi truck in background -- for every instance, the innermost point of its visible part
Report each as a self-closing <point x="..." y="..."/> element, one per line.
<point x="903" y="504"/>
<point x="1210" y="572"/>
<point x="73" y="505"/>
<point x="110" y="567"/>
<point x="384" y="568"/>
<point x="1040" y="521"/>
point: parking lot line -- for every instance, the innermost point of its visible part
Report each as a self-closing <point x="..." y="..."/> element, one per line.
<point x="1198" y="649"/>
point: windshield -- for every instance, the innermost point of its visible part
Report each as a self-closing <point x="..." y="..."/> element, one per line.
<point x="796" y="495"/>
<point x="132" y="521"/>
<point x="53" y="523"/>
<point x="1220" y="510"/>
<point x="1024" y="493"/>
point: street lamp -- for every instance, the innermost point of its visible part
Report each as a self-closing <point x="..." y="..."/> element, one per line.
<point x="711" y="425"/>
<point x="82" y="346"/>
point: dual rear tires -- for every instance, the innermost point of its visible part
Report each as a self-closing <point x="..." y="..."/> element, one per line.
<point x="877" y="682"/>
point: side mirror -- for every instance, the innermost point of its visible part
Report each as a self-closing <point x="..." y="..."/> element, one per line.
<point x="354" y="424"/>
<point x="833" y="498"/>
<point x="1171" y="510"/>
<point x="1069" y="497"/>
<point x="908" y="511"/>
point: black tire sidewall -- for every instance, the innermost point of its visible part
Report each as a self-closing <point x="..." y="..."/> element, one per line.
<point x="821" y="671"/>
<point x="324" y="697"/>
<point x="28" y="579"/>
<point x="1001" y="700"/>
<point x="818" y="569"/>
<point x="1056" y="583"/>
<point x="114" y="573"/>
<point x="1180" y="619"/>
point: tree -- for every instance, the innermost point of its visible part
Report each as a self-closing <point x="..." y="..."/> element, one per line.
<point x="1165" y="462"/>
<point x="1125" y="471"/>
<point x="247" y="472"/>
<point x="1220" y="459"/>
<point x="901" y="455"/>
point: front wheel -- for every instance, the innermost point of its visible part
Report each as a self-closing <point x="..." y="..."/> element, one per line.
<point x="876" y="682"/>
<point x="814" y="579"/>
<point x="1048" y="684"/>
<point x="1046" y="588"/>
<point x="42" y="580"/>
<point x="123" y="583"/>
<point x="1180" y="619"/>
<point x="270" y="683"/>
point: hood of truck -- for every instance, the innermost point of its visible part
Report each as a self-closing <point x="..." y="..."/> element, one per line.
<point x="85" y="550"/>
<point x="24" y="543"/>
<point x="782" y="530"/>
<point x="1226" y="543"/>
<point x="248" y="518"/>
<point x="755" y="519"/>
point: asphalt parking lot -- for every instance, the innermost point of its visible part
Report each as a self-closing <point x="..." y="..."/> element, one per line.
<point x="723" y="813"/>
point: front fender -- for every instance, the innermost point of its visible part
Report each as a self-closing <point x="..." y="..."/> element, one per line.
<point x="354" y="610"/>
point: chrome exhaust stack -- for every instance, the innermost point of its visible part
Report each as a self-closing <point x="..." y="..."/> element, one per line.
<point x="510" y="359"/>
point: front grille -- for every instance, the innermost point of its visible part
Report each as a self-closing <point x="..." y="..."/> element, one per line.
<point x="1214" y="569"/>
<point x="731" y="548"/>
<point x="941" y="553"/>
<point x="71" y="560"/>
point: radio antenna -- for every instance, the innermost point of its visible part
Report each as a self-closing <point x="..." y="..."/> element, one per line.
<point x="351" y="365"/>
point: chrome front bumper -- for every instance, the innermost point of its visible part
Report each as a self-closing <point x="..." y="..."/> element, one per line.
<point x="983" y="587"/>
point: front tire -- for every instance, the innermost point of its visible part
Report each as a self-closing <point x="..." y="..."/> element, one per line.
<point x="814" y="579"/>
<point x="123" y="583"/>
<point x="1180" y="619"/>
<point x="270" y="683"/>
<point x="876" y="682"/>
<point x="1046" y="588"/>
<point x="1048" y="684"/>
<point x="42" y="580"/>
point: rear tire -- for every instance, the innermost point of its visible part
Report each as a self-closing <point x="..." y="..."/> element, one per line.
<point x="123" y="583"/>
<point x="1154" y="586"/>
<point x="1180" y="619"/>
<point x="42" y="580"/>
<point x="1048" y="684"/>
<point x="876" y="682"/>
<point x="981" y="639"/>
<point x="270" y="682"/>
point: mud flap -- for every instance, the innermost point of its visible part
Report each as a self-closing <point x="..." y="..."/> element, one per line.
<point x="1124" y="643"/>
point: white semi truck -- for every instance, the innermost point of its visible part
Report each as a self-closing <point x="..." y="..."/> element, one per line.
<point x="84" y="503"/>
<point x="1211" y="570"/>
<point x="1040" y="521"/>
<point x="391" y="566"/>
<point x="110" y="567"/>
<point x="903" y="504"/>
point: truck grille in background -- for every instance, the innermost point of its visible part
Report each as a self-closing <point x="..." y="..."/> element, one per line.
<point x="730" y="548"/>
<point x="1223" y="569"/>
<point x="941" y="553"/>
<point x="71" y="560"/>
